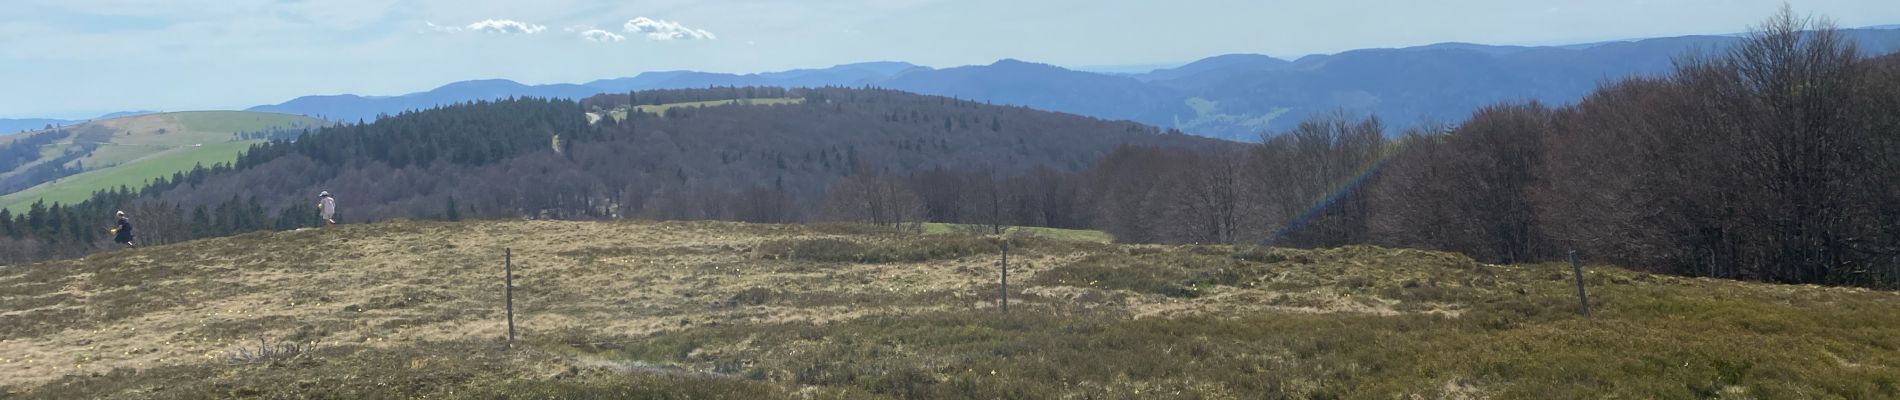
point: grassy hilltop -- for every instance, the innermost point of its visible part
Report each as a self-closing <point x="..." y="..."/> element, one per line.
<point x="728" y="310"/>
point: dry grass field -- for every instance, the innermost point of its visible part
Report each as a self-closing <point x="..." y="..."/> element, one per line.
<point x="728" y="310"/>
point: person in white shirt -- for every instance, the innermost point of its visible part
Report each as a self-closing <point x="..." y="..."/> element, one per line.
<point x="326" y="206"/>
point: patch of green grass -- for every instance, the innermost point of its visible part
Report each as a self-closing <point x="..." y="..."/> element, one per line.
<point x="134" y="175"/>
<point x="241" y="121"/>
<point x="1208" y="112"/>
<point x="171" y="130"/>
<point x="133" y="150"/>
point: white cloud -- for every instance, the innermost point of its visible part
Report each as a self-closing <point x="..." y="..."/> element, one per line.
<point x="504" y="26"/>
<point x="665" y="30"/>
<point x="598" y="35"/>
<point x="592" y="34"/>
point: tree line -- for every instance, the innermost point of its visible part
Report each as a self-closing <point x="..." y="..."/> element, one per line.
<point x="1777" y="160"/>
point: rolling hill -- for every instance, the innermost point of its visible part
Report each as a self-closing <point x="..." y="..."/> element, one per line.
<point x="1235" y="96"/>
<point x="1216" y="64"/>
<point x="130" y="150"/>
<point x="10" y="126"/>
<point x="353" y="108"/>
<point x="728" y="310"/>
<point x="697" y="159"/>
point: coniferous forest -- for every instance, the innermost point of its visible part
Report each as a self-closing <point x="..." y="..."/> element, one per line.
<point x="1777" y="160"/>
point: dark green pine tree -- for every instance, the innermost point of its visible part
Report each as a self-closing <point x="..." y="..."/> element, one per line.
<point x="76" y="229"/>
<point x="224" y="219"/>
<point x="7" y="226"/>
<point x="201" y="222"/>
<point x="453" y="213"/>
<point x="55" y="217"/>
<point x="36" y="216"/>
<point x="288" y="219"/>
<point x="257" y="219"/>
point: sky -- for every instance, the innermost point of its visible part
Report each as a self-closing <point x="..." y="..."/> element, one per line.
<point x="80" y="58"/>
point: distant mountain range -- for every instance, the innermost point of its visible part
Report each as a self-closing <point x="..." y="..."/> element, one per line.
<point x="1236" y="96"/>
<point x="10" y="126"/>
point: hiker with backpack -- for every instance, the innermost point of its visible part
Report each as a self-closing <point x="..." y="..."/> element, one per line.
<point x="122" y="231"/>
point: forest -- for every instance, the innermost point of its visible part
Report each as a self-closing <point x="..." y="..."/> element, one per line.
<point x="1777" y="160"/>
<point x="539" y="158"/>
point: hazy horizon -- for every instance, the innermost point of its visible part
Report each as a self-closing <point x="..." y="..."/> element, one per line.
<point x="79" y="59"/>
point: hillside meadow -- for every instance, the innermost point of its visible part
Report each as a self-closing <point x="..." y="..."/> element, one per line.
<point x="729" y="310"/>
<point x="79" y="187"/>
<point x="136" y="138"/>
<point x="132" y="151"/>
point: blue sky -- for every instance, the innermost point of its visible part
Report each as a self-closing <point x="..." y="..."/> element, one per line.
<point x="81" y="58"/>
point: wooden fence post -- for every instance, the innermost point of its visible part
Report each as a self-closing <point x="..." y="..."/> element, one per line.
<point x="1005" y="280"/>
<point x="1577" y="269"/>
<point x="508" y="290"/>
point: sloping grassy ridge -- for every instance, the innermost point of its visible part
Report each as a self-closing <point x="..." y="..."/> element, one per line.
<point x="134" y="150"/>
<point x="726" y="310"/>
